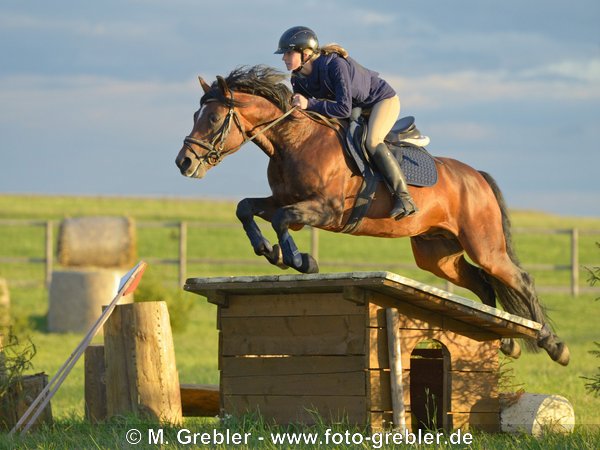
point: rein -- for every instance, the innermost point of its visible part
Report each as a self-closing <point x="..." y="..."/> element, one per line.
<point x="216" y="152"/>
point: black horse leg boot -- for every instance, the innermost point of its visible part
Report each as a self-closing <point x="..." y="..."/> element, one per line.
<point x="394" y="178"/>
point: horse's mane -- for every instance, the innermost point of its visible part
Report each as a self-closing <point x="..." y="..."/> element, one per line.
<point x="260" y="80"/>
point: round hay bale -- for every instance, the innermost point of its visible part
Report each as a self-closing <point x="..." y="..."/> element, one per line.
<point x="76" y="298"/>
<point x="97" y="241"/>
<point x="536" y="414"/>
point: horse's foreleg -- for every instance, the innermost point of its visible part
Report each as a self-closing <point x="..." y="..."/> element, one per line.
<point x="308" y="212"/>
<point x="264" y="208"/>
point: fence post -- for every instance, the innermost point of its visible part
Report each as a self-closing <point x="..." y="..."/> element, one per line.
<point x="575" y="262"/>
<point x="49" y="252"/>
<point x="314" y="243"/>
<point x="182" y="252"/>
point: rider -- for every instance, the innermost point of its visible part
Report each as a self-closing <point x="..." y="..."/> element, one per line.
<point x="326" y="80"/>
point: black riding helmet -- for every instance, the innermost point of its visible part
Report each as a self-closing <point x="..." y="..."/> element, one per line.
<point x="298" y="39"/>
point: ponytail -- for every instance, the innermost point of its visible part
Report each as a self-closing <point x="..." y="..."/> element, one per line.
<point x="334" y="48"/>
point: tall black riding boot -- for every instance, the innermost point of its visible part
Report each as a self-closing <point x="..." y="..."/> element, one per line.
<point x="394" y="178"/>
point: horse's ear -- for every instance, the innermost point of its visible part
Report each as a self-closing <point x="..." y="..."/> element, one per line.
<point x="223" y="85"/>
<point x="204" y="84"/>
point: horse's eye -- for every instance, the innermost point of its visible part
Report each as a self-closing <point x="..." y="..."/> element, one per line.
<point x="214" y="118"/>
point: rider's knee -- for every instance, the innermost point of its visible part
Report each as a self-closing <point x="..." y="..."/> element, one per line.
<point x="371" y="143"/>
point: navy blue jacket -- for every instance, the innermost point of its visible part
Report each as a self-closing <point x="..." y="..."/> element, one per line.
<point x="336" y="85"/>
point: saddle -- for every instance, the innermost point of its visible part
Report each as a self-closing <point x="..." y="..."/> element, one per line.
<point x="405" y="142"/>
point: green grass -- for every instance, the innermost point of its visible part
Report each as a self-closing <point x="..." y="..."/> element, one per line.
<point x="196" y="346"/>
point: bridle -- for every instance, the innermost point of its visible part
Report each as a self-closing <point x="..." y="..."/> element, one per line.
<point x="216" y="147"/>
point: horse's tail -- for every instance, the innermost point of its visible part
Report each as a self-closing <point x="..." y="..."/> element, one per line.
<point x="512" y="302"/>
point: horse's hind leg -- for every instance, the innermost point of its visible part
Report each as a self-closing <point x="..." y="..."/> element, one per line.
<point x="264" y="208"/>
<point x="515" y="289"/>
<point x="444" y="257"/>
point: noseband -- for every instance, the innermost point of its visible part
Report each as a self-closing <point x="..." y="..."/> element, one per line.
<point x="216" y="148"/>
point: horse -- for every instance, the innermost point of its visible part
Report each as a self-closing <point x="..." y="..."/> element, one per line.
<point x="314" y="183"/>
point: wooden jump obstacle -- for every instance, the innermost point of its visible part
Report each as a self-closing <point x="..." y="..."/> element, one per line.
<point x="293" y="345"/>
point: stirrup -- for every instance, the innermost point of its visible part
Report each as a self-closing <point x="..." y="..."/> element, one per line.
<point x="403" y="207"/>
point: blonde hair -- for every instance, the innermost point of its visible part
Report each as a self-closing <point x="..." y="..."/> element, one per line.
<point x="334" y="48"/>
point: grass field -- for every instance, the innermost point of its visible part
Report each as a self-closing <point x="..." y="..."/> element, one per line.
<point x="575" y="319"/>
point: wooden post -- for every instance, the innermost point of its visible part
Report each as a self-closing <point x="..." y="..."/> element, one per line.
<point x="395" y="359"/>
<point x="4" y="306"/>
<point x="141" y="375"/>
<point x="18" y="398"/>
<point x="49" y="252"/>
<point x="575" y="262"/>
<point x="182" y="252"/>
<point x="314" y="243"/>
<point x="95" y="384"/>
<point x="2" y="360"/>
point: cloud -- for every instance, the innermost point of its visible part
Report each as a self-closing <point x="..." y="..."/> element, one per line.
<point x="114" y="29"/>
<point x="372" y="18"/>
<point x="583" y="71"/>
<point x="462" y="131"/>
<point x="84" y="98"/>
<point x="565" y="81"/>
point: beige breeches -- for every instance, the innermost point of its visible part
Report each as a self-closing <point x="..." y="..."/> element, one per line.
<point x="383" y="117"/>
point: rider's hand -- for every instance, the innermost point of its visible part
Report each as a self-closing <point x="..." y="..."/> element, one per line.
<point x="300" y="101"/>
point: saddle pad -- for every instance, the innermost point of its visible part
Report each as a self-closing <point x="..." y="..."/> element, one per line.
<point x="417" y="164"/>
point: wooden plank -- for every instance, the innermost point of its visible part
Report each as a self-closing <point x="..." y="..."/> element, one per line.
<point x="318" y="335"/>
<point x="356" y="295"/>
<point x="472" y="388"/>
<point x="486" y="421"/>
<point x="485" y="405"/>
<point x="382" y="420"/>
<point x="307" y="410"/>
<point x="379" y="391"/>
<point x="330" y="384"/>
<point x="290" y="304"/>
<point x="242" y="366"/>
<point x="418" y="318"/>
<point x="477" y="391"/>
<point x="465" y="354"/>
<point x="489" y="319"/>
<point x="218" y="298"/>
<point x="200" y="400"/>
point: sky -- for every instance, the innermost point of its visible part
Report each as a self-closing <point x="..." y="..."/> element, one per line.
<point x="96" y="97"/>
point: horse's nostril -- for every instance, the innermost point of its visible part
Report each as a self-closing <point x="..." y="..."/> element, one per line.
<point x="185" y="165"/>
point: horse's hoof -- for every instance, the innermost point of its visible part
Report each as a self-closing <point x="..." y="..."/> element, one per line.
<point x="510" y="348"/>
<point x="562" y="355"/>
<point x="264" y="249"/>
<point x="309" y="264"/>
<point x="275" y="257"/>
